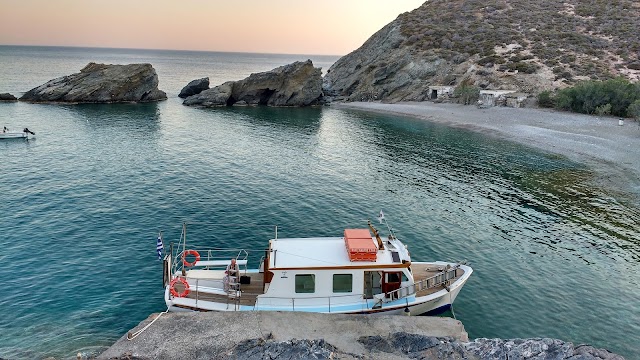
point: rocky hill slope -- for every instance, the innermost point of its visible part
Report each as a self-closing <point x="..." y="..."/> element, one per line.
<point x="494" y="44"/>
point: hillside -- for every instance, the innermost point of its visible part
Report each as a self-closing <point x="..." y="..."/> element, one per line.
<point x="494" y="44"/>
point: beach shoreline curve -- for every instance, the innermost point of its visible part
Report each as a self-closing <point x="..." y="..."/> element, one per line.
<point x="610" y="150"/>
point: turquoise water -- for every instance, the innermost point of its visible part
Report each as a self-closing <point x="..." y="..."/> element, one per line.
<point x="81" y="206"/>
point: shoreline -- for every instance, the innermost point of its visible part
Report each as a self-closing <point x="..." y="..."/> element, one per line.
<point x="611" y="151"/>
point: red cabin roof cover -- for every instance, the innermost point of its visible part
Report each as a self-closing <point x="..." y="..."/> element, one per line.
<point x="360" y="245"/>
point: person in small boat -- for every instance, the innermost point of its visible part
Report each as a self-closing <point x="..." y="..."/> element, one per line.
<point x="230" y="273"/>
<point x="232" y="268"/>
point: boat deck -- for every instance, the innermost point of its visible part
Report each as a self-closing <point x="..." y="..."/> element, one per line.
<point x="249" y="292"/>
<point x="422" y="271"/>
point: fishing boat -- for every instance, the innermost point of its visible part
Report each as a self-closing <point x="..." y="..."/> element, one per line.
<point x="359" y="272"/>
<point x="24" y="134"/>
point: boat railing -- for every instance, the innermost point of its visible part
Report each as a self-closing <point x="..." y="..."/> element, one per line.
<point x="265" y="302"/>
<point x="201" y="289"/>
<point x="441" y="278"/>
<point x="218" y="257"/>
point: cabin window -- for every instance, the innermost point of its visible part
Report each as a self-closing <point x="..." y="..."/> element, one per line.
<point x="393" y="277"/>
<point x="305" y="283"/>
<point x="342" y="283"/>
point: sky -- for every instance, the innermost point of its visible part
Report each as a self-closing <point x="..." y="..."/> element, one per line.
<point x="330" y="27"/>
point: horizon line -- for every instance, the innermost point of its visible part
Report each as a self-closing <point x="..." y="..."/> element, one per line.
<point x="154" y="49"/>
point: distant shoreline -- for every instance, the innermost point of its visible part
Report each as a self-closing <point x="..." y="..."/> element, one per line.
<point x="612" y="151"/>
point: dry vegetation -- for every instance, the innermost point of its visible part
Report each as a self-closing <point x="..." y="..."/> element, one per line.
<point x="574" y="39"/>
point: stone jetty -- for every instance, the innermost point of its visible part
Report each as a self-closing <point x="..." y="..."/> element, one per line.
<point x="289" y="335"/>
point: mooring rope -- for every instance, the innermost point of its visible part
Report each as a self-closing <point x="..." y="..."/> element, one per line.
<point x="131" y="336"/>
<point x="451" y="302"/>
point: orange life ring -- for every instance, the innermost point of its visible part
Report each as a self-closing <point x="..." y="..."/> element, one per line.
<point x="173" y="290"/>
<point x="190" y="252"/>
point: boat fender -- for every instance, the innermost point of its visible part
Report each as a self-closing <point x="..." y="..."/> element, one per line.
<point x="173" y="290"/>
<point x="190" y="252"/>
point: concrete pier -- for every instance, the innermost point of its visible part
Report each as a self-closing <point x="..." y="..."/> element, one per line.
<point x="212" y="335"/>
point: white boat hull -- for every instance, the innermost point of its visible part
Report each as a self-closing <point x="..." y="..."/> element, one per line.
<point x="15" y="135"/>
<point x="431" y="304"/>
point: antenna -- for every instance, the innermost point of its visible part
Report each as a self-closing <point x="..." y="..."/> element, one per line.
<point x="382" y="219"/>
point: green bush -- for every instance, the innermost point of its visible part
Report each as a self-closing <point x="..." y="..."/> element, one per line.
<point x="591" y="96"/>
<point x="523" y="67"/>
<point x="467" y="93"/>
<point x="603" y="110"/>
<point x="545" y="99"/>
<point x="634" y="110"/>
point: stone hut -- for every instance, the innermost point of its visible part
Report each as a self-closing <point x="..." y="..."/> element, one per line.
<point x="515" y="100"/>
<point x="490" y="98"/>
<point x="440" y="92"/>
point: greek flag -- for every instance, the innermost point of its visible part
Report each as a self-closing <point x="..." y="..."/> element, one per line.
<point x="381" y="217"/>
<point x="159" y="246"/>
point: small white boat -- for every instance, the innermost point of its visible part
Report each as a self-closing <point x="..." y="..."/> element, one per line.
<point x="24" y="134"/>
<point x="356" y="273"/>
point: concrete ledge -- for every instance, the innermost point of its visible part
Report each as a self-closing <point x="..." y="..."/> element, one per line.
<point x="212" y="334"/>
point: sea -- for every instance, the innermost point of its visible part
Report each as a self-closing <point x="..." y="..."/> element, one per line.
<point x="82" y="204"/>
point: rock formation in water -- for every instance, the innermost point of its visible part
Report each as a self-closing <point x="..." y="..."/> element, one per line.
<point x="296" y="84"/>
<point x="194" y="87"/>
<point x="508" y="44"/>
<point x="7" y="97"/>
<point x="101" y="83"/>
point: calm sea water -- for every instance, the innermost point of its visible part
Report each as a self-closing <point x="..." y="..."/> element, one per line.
<point x="81" y="205"/>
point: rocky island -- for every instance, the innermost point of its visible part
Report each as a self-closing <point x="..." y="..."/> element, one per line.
<point x="194" y="87"/>
<point x="101" y="83"/>
<point x="296" y="84"/>
<point x="7" y="97"/>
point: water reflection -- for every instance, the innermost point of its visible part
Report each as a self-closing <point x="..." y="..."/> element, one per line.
<point x="522" y="194"/>
<point x="143" y="117"/>
<point x="299" y="120"/>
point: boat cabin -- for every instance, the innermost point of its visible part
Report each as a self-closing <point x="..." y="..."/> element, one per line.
<point x="339" y="268"/>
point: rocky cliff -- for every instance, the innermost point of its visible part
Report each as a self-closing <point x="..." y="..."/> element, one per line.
<point x="296" y="84"/>
<point x="100" y="83"/>
<point x="495" y="44"/>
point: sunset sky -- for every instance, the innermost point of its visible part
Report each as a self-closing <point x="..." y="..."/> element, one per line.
<point x="334" y="27"/>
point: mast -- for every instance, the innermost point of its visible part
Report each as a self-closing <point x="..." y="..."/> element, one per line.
<point x="377" y="235"/>
<point x="184" y="245"/>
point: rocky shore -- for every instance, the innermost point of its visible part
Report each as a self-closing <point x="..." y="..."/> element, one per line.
<point x="287" y="335"/>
